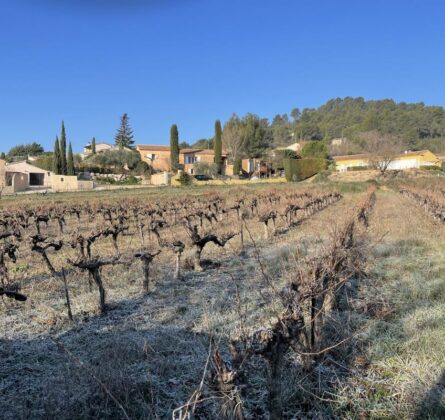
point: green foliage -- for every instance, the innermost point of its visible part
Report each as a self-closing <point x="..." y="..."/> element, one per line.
<point x="57" y="163"/>
<point x="349" y="116"/>
<point x="203" y="168"/>
<point x="174" y="148"/>
<point x="70" y="161"/>
<point x="237" y="166"/>
<point x="300" y="169"/>
<point x="23" y="150"/>
<point x="185" y="179"/>
<point x="358" y="168"/>
<point x="184" y="145"/>
<point x="217" y="146"/>
<point x="281" y="130"/>
<point x="205" y="144"/>
<point x="63" y="162"/>
<point x="142" y="168"/>
<point x="257" y="135"/>
<point x="314" y="149"/>
<point x="117" y="160"/>
<point x="124" y="135"/>
<point x="45" y="162"/>
<point x="93" y="146"/>
<point x="2" y="156"/>
<point x="280" y="156"/>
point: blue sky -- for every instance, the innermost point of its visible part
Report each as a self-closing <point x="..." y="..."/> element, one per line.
<point x="190" y="62"/>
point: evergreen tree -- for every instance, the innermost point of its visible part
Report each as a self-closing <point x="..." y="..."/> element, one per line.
<point x="93" y="146"/>
<point x="63" y="167"/>
<point x="57" y="164"/>
<point x="3" y="156"/>
<point x="174" y="148"/>
<point x="217" y="145"/>
<point x="124" y="135"/>
<point x="70" y="161"/>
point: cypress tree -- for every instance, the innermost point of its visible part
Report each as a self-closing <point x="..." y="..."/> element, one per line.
<point x="174" y="148"/>
<point x="3" y="156"/>
<point x="124" y="135"/>
<point x="56" y="157"/>
<point x="70" y="161"/>
<point x="217" y="145"/>
<point x="93" y="146"/>
<point x="63" y="164"/>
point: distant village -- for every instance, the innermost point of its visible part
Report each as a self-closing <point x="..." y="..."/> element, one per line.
<point x="25" y="176"/>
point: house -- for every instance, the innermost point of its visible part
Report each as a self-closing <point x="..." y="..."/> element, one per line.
<point x="188" y="157"/>
<point x="406" y="160"/>
<point x="339" y="141"/>
<point x="22" y="175"/>
<point x="159" y="158"/>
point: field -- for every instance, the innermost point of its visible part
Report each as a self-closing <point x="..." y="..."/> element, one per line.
<point x="269" y="301"/>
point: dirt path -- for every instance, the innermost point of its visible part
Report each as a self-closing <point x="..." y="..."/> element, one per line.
<point x="407" y="334"/>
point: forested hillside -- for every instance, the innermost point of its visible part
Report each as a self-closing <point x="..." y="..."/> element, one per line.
<point x="416" y="123"/>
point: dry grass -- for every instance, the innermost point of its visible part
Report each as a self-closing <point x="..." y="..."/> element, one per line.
<point x="150" y="351"/>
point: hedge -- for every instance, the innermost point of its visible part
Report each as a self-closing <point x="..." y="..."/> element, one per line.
<point x="300" y="169"/>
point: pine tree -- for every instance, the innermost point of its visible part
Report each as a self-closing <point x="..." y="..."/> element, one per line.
<point x="63" y="165"/>
<point x="174" y="148"/>
<point x="70" y="161"/>
<point x="217" y="145"/>
<point x="56" y="158"/>
<point x="124" y="135"/>
<point x="3" y="156"/>
<point x="93" y="146"/>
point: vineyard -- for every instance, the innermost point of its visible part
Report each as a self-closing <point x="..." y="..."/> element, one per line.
<point x="232" y="303"/>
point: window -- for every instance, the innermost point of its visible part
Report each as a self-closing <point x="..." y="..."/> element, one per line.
<point x="61" y="179"/>
<point x="150" y="156"/>
<point x="190" y="159"/>
<point x="36" y="180"/>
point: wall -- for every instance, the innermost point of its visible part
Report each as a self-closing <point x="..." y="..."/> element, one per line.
<point x="2" y="173"/>
<point x="160" y="179"/>
<point x="232" y="181"/>
<point x="61" y="183"/>
<point x="160" y="163"/>
<point x="19" y="183"/>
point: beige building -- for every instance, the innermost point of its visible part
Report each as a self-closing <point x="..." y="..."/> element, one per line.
<point x="35" y="177"/>
<point x="159" y="158"/>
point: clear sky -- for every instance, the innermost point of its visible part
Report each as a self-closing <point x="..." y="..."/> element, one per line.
<point x="190" y="62"/>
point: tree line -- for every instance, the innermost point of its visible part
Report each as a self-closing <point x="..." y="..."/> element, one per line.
<point x="416" y="125"/>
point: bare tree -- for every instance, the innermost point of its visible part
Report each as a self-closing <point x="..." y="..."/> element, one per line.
<point x="383" y="149"/>
<point x="232" y="138"/>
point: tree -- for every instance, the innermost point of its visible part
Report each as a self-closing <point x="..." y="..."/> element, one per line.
<point x="382" y="148"/>
<point x="23" y="150"/>
<point x="70" y="161"/>
<point x="257" y="135"/>
<point x="93" y="146"/>
<point x="3" y="156"/>
<point x="314" y="149"/>
<point x="184" y="145"/>
<point x="124" y="135"/>
<point x="206" y="144"/>
<point x="217" y="146"/>
<point x="233" y="138"/>
<point x="281" y="130"/>
<point x="174" y="148"/>
<point x="57" y="164"/>
<point x="63" y="169"/>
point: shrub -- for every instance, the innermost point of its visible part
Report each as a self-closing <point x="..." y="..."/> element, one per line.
<point x="185" y="179"/>
<point x="300" y="169"/>
<point x="432" y="168"/>
<point x="314" y="149"/>
<point x="203" y="168"/>
<point x="359" y="168"/>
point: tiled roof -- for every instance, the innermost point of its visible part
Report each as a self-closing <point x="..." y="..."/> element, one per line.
<point x="154" y="148"/>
